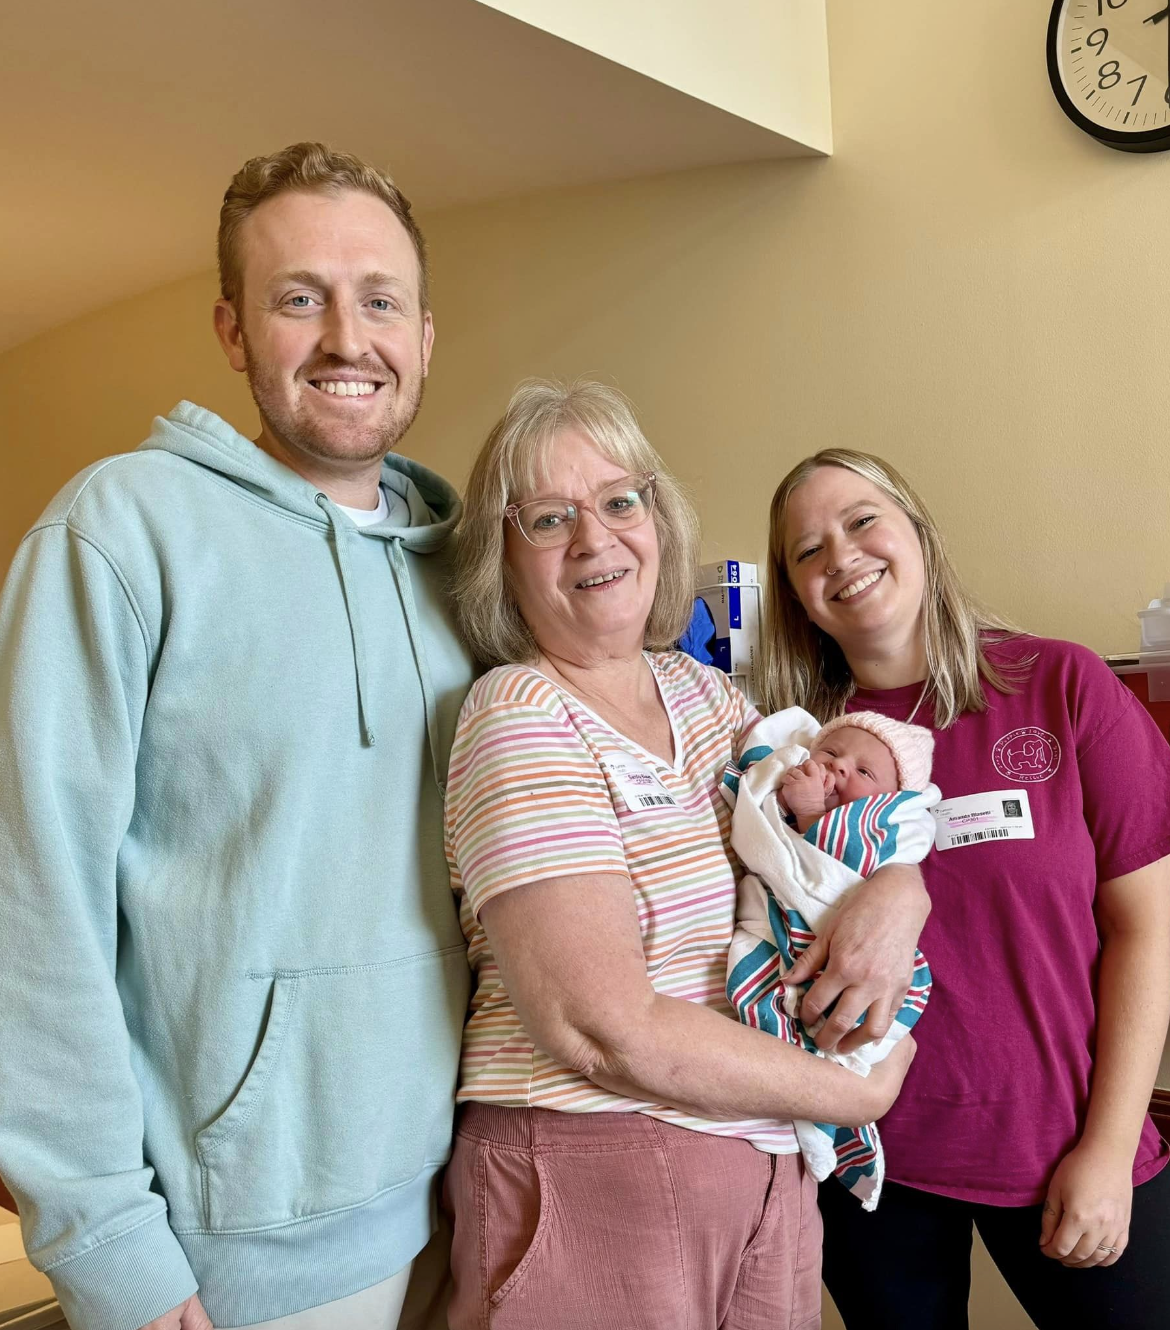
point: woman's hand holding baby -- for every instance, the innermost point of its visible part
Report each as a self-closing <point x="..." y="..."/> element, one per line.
<point x="867" y="954"/>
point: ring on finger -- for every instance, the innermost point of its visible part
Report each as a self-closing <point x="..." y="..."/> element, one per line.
<point x="1111" y="1250"/>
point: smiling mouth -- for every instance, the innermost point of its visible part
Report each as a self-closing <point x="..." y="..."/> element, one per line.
<point x="603" y="579"/>
<point x="345" y="387"/>
<point x="862" y="584"/>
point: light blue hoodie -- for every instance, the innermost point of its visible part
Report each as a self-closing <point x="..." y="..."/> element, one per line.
<point x="231" y="974"/>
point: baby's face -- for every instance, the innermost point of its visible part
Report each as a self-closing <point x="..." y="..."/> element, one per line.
<point x="859" y="764"/>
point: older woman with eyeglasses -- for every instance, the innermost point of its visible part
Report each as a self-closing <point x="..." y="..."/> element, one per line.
<point x="625" y="1155"/>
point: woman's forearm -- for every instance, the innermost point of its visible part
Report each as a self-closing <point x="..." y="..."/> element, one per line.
<point x="695" y="1059"/>
<point x="1133" y="1003"/>
<point x="1133" y="1007"/>
<point x="906" y="880"/>
<point x="570" y="955"/>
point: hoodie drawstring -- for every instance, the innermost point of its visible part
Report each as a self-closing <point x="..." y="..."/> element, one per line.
<point x="341" y="534"/>
<point x="414" y="630"/>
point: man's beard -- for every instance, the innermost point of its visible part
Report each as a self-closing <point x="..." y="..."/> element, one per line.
<point x="359" y="442"/>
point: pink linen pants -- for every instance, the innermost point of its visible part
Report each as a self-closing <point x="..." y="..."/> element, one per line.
<point x="613" y="1221"/>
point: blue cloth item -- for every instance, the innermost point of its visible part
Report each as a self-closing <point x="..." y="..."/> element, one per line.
<point x="700" y="634"/>
<point x="232" y="976"/>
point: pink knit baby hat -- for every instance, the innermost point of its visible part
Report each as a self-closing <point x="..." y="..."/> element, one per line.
<point x="911" y="745"/>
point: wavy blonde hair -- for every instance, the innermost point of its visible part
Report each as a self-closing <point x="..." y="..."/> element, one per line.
<point x="513" y="461"/>
<point x="803" y="666"/>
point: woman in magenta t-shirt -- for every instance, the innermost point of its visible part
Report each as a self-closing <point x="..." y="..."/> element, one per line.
<point x="1049" y="936"/>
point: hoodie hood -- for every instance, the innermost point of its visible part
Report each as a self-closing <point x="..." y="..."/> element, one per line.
<point x="202" y="437"/>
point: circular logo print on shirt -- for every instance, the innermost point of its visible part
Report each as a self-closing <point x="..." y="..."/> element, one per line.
<point x="1029" y="754"/>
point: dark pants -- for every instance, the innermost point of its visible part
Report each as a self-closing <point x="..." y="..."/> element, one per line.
<point x="909" y="1263"/>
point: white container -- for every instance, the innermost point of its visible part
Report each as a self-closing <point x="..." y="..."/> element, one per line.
<point x="1155" y="622"/>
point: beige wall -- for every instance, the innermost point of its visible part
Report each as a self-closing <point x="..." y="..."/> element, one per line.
<point x="90" y="388"/>
<point x="969" y="287"/>
<point x="767" y="61"/>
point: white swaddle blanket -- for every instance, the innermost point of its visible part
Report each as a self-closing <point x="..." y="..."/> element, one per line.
<point x="785" y="869"/>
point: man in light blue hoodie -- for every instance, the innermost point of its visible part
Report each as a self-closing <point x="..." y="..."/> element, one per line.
<point x="231" y="974"/>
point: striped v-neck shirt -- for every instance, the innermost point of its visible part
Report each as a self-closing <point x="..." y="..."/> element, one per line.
<point x="533" y="795"/>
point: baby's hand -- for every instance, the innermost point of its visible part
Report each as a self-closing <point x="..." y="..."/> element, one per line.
<point x="804" y="789"/>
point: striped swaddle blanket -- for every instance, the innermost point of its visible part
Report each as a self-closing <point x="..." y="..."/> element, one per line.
<point x="792" y="885"/>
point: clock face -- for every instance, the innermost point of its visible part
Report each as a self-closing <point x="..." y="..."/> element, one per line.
<point x="1108" y="60"/>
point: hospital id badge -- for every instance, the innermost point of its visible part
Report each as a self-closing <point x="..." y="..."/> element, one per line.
<point x="639" y="786"/>
<point x="996" y="815"/>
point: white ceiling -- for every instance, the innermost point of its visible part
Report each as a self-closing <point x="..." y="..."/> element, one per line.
<point x="122" y="124"/>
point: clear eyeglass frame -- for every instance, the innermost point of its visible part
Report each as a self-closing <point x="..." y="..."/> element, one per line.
<point x="643" y="483"/>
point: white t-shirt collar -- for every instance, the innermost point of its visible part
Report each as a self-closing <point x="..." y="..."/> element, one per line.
<point x="393" y="507"/>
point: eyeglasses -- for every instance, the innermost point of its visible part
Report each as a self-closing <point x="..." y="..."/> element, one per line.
<point x="619" y="506"/>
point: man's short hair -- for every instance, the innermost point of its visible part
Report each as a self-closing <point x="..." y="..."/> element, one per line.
<point x="311" y="168"/>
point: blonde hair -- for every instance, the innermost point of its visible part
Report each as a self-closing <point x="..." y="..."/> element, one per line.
<point x="803" y="666"/>
<point x="309" y="168"/>
<point x="513" y="460"/>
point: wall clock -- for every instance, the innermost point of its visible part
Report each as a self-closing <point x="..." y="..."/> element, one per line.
<point x="1109" y="62"/>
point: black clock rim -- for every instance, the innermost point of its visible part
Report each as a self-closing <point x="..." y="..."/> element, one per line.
<point x="1143" y="140"/>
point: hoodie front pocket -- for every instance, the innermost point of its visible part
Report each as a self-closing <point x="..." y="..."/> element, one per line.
<point x="350" y="1092"/>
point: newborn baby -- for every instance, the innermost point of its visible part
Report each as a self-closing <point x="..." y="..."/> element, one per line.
<point x="847" y="763"/>
<point x="810" y="825"/>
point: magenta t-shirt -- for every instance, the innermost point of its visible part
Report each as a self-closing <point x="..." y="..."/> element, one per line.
<point x="998" y="1091"/>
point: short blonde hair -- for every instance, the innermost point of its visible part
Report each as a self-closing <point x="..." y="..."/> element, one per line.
<point x="512" y="462"/>
<point x="310" y="168"/>
<point x="803" y="666"/>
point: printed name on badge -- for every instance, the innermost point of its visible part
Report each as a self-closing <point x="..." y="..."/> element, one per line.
<point x="996" y="815"/>
<point x="639" y="786"/>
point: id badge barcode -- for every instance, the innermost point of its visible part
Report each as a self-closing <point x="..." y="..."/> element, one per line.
<point x="639" y="785"/>
<point x="972" y="836"/>
<point x="974" y="819"/>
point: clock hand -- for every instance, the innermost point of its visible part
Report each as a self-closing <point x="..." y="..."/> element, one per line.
<point x="1157" y="18"/>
